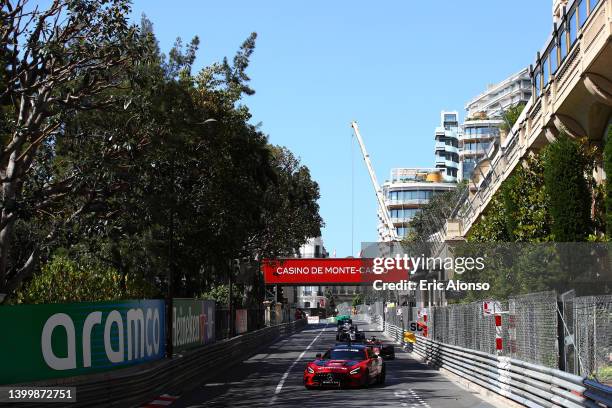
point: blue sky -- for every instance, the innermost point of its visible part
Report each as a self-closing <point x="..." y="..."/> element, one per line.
<point x="390" y="65"/>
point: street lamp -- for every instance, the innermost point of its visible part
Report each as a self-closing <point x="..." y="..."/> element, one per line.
<point x="170" y="289"/>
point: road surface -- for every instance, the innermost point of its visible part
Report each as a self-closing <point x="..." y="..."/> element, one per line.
<point x="273" y="378"/>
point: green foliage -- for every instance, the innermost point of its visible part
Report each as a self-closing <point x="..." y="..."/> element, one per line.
<point x="608" y="186"/>
<point x="63" y="280"/>
<point x="565" y="168"/>
<point x="492" y="224"/>
<point x="511" y="115"/>
<point x="168" y="179"/>
<point x="548" y="191"/>
<point x="525" y="203"/>
<point x="358" y="299"/>
<point x="432" y="215"/>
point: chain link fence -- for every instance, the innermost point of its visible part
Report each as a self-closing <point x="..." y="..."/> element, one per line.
<point x="592" y="335"/>
<point x="566" y="332"/>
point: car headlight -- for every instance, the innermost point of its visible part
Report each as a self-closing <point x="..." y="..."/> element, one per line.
<point x="355" y="371"/>
<point x="310" y="370"/>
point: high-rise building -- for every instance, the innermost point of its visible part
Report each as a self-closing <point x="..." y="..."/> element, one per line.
<point x="499" y="97"/>
<point x="482" y="129"/>
<point x="408" y="190"/>
<point x="447" y="145"/>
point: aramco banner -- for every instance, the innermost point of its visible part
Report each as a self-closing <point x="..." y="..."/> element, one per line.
<point x="63" y="340"/>
<point x="307" y="271"/>
<point x="193" y="323"/>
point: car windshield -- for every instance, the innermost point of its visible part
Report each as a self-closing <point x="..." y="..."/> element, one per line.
<point x="345" y="354"/>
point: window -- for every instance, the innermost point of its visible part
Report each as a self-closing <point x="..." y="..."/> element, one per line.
<point x="537" y="84"/>
<point x="582" y="12"/>
<point x="593" y="4"/>
<point x="545" y="72"/>
<point x="306" y="305"/>
<point x="563" y="44"/>
<point x="572" y="27"/>
<point x="553" y="60"/>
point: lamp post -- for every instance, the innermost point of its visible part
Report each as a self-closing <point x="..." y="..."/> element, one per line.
<point x="170" y="276"/>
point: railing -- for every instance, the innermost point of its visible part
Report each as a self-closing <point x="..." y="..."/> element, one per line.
<point x="573" y="46"/>
<point x="525" y="383"/>
<point x="134" y="386"/>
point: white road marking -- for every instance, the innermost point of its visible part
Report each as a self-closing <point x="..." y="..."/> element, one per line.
<point x="279" y="387"/>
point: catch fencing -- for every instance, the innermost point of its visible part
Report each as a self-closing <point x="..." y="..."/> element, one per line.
<point x="573" y="334"/>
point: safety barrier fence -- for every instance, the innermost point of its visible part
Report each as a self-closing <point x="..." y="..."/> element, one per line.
<point x="531" y="385"/>
<point x="131" y="387"/>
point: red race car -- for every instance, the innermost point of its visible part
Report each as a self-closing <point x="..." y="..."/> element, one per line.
<point x="386" y="351"/>
<point x="345" y="365"/>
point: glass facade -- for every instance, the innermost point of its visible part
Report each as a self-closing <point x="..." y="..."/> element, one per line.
<point x="403" y="231"/>
<point x="405" y="195"/>
<point x="405" y="213"/>
<point x="481" y="147"/>
<point x="582" y="12"/>
<point x="468" y="168"/>
<point x="481" y="131"/>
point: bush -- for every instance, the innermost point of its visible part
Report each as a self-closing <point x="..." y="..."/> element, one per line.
<point x="567" y="188"/>
<point x="64" y="280"/>
<point x="608" y="187"/>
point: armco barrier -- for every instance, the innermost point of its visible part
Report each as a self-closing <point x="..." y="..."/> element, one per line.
<point x="131" y="387"/>
<point x="528" y="384"/>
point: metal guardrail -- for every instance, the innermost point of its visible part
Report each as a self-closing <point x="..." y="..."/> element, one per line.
<point x="528" y="384"/>
<point x="134" y="386"/>
<point x="599" y="393"/>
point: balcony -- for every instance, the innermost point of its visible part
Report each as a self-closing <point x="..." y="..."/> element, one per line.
<point x="441" y="146"/>
<point x="479" y="136"/>
<point x="470" y="152"/>
<point x="451" y="164"/>
<point x="406" y="203"/>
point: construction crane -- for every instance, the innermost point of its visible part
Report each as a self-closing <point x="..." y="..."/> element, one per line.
<point x="392" y="232"/>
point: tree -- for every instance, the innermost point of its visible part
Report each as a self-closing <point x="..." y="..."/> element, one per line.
<point x="511" y="115"/>
<point x="569" y="195"/>
<point x="65" y="280"/>
<point x="57" y="62"/>
<point x="608" y="185"/>
<point x="431" y="218"/>
<point x="168" y="180"/>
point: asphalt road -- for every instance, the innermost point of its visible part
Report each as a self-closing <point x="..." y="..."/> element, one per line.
<point x="274" y="378"/>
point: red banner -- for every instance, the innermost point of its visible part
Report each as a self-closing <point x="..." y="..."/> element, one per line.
<point x="318" y="271"/>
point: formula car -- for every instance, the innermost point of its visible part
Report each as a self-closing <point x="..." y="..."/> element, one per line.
<point x="386" y="351"/>
<point x="345" y="365"/>
<point x="349" y="333"/>
<point x="343" y="319"/>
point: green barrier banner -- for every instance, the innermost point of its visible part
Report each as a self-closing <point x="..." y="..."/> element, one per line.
<point x="38" y="342"/>
<point x="193" y="323"/>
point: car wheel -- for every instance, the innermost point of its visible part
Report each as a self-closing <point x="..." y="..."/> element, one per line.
<point x="382" y="376"/>
<point x="366" y="383"/>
